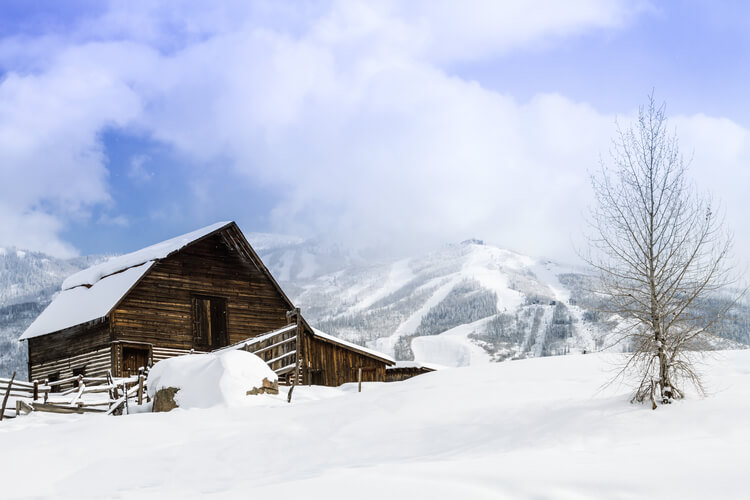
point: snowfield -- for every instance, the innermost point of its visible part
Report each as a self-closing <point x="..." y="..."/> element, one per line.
<point x="536" y="428"/>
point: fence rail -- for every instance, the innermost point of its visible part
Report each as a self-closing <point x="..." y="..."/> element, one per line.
<point x="278" y="348"/>
<point x="88" y="394"/>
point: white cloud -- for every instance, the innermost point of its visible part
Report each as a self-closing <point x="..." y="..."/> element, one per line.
<point x="719" y="154"/>
<point x="137" y="171"/>
<point x="51" y="158"/>
<point x="447" y="31"/>
<point x="347" y="110"/>
<point x="113" y="220"/>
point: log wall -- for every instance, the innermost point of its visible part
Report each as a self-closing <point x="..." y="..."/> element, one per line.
<point x="65" y="345"/>
<point x="96" y="364"/>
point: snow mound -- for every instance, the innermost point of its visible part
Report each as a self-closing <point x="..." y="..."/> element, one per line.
<point x="208" y="380"/>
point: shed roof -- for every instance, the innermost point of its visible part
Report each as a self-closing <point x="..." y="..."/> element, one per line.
<point x="415" y="365"/>
<point x="354" y="347"/>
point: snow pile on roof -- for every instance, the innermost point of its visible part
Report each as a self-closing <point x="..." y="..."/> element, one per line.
<point x="208" y="380"/>
<point x="82" y="304"/>
<point x="158" y="251"/>
<point x="352" y="345"/>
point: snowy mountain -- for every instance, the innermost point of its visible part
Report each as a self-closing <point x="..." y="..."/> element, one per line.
<point x="292" y="259"/>
<point x="462" y="304"/>
<point x="28" y="281"/>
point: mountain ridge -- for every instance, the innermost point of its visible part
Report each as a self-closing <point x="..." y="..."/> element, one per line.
<point x="460" y="304"/>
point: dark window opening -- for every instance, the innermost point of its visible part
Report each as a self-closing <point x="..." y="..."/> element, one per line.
<point x="79" y="370"/>
<point x="209" y="322"/>
<point x="54" y="377"/>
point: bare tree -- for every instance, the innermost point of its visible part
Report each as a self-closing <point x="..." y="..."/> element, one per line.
<point x="662" y="255"/>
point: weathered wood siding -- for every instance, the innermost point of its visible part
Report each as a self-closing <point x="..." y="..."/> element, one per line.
<point x="159" y="308"/>
<point x="95" y="363"/>
<point x="329" y="364"/>
<point x="66" y="345"/>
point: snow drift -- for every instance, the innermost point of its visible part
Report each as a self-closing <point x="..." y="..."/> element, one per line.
<point x="538" y="428"/>
<point x="208" y="380"/>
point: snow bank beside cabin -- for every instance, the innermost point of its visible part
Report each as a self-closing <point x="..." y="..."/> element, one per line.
<point x="208" y="380"/>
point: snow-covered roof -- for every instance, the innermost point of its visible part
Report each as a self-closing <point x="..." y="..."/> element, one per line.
<point x="82" y="304"/>
<point x="154" y="252"/>
<point x="92" y="293"/>
<point x="353" y="346"/>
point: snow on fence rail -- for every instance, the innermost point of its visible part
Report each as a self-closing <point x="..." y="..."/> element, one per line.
<point x="87" y="394"/>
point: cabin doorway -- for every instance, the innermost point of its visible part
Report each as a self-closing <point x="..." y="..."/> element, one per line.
<point x="210" y="322"/>
<point x="133" y="359"/>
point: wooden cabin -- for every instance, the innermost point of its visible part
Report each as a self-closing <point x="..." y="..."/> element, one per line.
<point x="197" y="292"/>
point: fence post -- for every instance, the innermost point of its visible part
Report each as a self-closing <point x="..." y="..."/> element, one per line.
<point x="300" y="340"/>
<point x="36" y="390"/>
<point x="140" y="388"/>
<point x="7" y="393"/>
<point x="115" y="392"/>
<point x="289" y="314"/>
<point x="359" y="379"/>
<point x="125" y="395"/>
<point x="81" y="387"/>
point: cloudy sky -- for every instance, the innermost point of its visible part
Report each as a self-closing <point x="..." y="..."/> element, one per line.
<point x="399" y="125"/>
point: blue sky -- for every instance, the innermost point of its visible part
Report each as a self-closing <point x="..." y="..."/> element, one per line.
<point x="399" y="125"/>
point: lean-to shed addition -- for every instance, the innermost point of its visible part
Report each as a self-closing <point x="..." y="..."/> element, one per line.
<point x="197" y="292"/>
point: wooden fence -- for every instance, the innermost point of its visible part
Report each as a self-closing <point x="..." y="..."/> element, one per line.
<point x="277" y="348"/>
<point x="113" y="396"/>
<point x="79" y="394"/>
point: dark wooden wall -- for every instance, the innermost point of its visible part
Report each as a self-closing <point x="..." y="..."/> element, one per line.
<point x="333" y="365"/>
<point x="67" y="343"/>
<point x="159" y="309"/>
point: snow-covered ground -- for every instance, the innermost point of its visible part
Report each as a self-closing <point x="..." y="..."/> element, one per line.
<point x="537" y="428"/>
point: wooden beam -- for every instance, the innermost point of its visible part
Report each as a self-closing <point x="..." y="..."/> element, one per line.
<point x="53" y="408"/>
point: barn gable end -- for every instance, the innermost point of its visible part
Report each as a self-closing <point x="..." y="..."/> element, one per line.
<point x="159" y="309"/>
